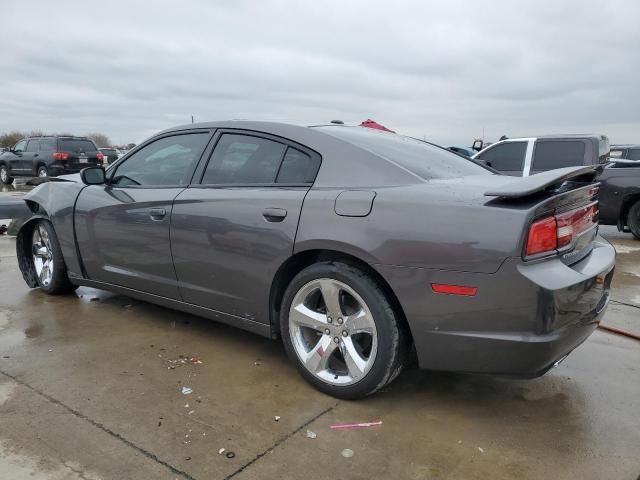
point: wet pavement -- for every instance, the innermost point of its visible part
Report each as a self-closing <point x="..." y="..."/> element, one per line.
<point x="91" y="388"/>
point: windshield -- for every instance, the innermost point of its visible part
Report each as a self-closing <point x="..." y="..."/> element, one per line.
<point x="73" y="145"/>
<point x="421" y="158"/>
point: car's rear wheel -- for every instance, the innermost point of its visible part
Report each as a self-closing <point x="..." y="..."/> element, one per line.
<point x="42" y="171"/>
<point x="633" y="219"/>
<point x="48" y="262"/>
<point x="4" y="175"/>
<point x="341" y="331"/>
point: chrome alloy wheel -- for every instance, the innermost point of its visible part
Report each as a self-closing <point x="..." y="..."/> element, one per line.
<point x="4" y="175"/>
<point x="42" y="172"/>
<point x="332" y="331"/>
<point x="42" y="255"/>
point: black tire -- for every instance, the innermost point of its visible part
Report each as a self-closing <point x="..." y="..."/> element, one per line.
<point x="42" y="169"/>
<point x="59" y="283"/>
<point x="4" y="175"/>
<point x="633" y="219"/>
<point x="391" y="336"/>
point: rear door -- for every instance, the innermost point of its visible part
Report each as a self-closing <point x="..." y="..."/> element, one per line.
<point x="549" y="154"/>
<point x="123" y="228"/>
<point x="29" y="158"/>
<point x="232" y="230"/>
<point x="508" y="157"/>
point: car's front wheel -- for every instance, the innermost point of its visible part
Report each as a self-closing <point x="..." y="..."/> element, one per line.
<point x="633" y="220"/>
<point x="341" y="331"/>
<point x="5" y="178"/>
<point x="48" y="262"/>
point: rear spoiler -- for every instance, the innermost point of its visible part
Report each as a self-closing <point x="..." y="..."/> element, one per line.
<point x="523" y="187"/>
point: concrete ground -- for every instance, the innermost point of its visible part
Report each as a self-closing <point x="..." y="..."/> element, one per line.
<point x="91" y="388"/>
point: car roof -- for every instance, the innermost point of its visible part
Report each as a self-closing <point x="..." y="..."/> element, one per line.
<point x="626" y="145"/>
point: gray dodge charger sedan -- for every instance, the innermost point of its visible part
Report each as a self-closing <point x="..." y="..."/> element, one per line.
<point x="353" y="246"/>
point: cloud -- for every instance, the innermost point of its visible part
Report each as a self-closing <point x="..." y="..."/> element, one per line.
<point x="442" y="71"/>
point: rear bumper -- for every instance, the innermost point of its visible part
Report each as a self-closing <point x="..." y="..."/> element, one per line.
<point x="64" y="169"/>
<point x="523" y="319"/>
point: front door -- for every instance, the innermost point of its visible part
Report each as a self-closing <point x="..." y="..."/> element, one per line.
<point x="15" y="159"/>
<point x="231" y="232"/>
<point x="122" y="228"/>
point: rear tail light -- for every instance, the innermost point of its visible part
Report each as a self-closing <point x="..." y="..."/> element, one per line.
<point x="100" y="156"/>
<point x="60" y="156"/>
<point x="559" y="231"/>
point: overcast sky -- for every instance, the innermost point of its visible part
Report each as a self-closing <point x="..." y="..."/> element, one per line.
<point x="444" y="72"/>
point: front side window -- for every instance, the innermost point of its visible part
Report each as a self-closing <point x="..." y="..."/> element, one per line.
<point x="243" y="159"/>
<point x="33" y="145"/>
<point x="634" y="154"/>
<point x="506" y="157"/>
<point x="616" y="153"/>
<point x="166" y="161"/>
<point x="19" y="147"/>
<point x="557" y="154"/>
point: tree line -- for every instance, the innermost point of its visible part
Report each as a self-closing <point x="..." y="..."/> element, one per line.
<point x="11" y="138"/>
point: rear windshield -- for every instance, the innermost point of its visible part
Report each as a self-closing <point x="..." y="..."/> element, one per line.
<point x="108" y="151"/>
<point x="421" y="158"/>
<point x="73" y="145"/>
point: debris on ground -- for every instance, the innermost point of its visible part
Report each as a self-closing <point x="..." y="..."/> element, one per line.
<point x="481" y="450"/>
<point x="221" y="451"/>
<point x="257" y="363"/>
<point x="311" y="434"/>
<point x="347" y="453"/>
<point x="348" y="426"/>
<point x="277" y="418"/>
<point x="230" y="454"/>
<point x="173" y="363"/>
<point x="187" y="390"/>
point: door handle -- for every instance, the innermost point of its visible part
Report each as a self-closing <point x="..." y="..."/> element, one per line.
<point x="274" y="214"/>
<point x="36" y="155"/>
<point x="157" y="213"/>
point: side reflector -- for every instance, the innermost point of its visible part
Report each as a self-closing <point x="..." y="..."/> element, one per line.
<point x="454" y="289"/>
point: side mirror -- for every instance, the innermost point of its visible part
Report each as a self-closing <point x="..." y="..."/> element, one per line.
<point x="93" y="176"/>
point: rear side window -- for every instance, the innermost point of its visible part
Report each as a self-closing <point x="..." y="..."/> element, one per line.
<point x="48" y="145"/>
<point x="557" y="154"/>
<point x="298" y="167"/>
<point x="421" y="158"/>
<point x="634" y="154"/>
<point x="33" y="145"/>
<point x="243" y="159"/>
<point x="76" y="145"/>
<point x="506" y="157"/>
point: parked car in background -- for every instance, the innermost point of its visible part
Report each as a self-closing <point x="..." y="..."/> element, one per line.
<point x="324" y="237"/>
<point x="625" y="152"/>
<point x="48" y="156"/>
<point x="530" y="155"/>
<point x="466" y="151"/>
<point x="620" y="195"/>
<point x="110" y="154"/>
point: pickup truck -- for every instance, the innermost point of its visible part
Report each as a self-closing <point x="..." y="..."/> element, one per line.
<point x="619" y="198"/>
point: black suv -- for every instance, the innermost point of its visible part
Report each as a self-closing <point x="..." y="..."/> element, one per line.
<point x="48" y="156"/>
